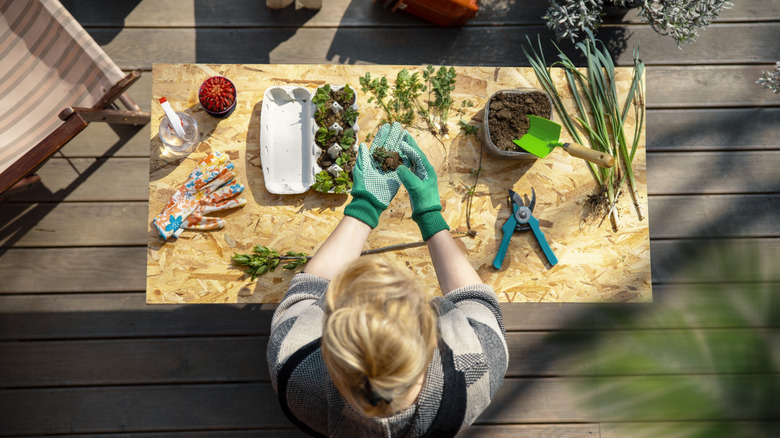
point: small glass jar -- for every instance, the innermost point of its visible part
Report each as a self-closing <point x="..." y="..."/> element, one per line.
<point x="172" y="143"/>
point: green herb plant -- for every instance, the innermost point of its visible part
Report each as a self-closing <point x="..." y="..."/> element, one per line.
<point x="321" y="96"/>
<point x="324" y="135"/>
<point x="264" y="259"/>
<point x="347" y="139"/>
<point x="349" y="93"/>
<point x="400" y="103"/>
<point x="595" y="93"/>
<point x="323" y="182"/>
<point x="350" y="116"/>
<point x="439" y="85"/>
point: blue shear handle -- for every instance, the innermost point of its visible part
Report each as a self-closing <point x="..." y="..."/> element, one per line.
<point x="508" y="228"/>
<point x="542" y="241"/>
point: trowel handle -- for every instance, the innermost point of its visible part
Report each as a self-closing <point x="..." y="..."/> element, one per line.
<point x="603" y="159"/>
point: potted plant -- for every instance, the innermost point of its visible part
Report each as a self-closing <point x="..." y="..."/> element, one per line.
<point x="679" y="19"/>
<point x="335" y="117"/>
<point x="506" y="119"/>
<point x="217" y="95"/>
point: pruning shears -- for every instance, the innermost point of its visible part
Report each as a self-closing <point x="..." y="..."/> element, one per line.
<point x="522" y="219"/>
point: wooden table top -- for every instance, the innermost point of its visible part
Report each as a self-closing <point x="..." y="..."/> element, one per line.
<point x="596" y="263"/>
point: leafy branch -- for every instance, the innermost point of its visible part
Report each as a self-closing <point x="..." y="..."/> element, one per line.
<point x="400" y="103"/>
<point x="264" y="259"/>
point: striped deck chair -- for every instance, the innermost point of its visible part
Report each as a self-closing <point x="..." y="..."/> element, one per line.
<point x="54" y="80"/>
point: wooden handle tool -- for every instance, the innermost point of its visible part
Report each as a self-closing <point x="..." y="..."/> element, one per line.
<point x="603" y="159"/>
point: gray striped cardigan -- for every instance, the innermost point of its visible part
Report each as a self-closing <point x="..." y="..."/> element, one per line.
<point x="466" y="371"/>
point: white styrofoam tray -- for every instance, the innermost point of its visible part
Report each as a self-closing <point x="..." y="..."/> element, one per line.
<point x="286" y="140"/>
<point x="288" y="152"/>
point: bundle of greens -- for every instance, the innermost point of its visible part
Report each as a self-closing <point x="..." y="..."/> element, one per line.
<point x="399" y="102"/>
<point x="402" y="104"/>
<point x="264" y="259"/>
<point x="595" y="93"/>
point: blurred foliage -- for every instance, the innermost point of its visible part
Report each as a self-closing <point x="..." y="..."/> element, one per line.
<point x="703" y="359"/>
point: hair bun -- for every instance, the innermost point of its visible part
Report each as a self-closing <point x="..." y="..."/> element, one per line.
<point x="371" y="396"/>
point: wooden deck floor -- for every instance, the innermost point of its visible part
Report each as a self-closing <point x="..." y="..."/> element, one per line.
<point x="82" y="355"/>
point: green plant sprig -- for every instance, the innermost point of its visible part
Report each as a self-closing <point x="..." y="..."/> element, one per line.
<point x="349" y="93"/>
<point x="400" y="103"/>
<point x="439" y="85"/>
<point x="321" y="96"/>
<point x="347" y="139"/>
<point x="264" y="259"/>
<point x="324" y="182"/>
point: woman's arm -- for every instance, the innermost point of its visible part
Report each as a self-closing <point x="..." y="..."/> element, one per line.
<point x="343" y="246"/>
<point x="453" y="269"/>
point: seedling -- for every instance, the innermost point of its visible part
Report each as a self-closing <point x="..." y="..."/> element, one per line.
<point x="323" y="182"/>
<point x="606" y="128"/>
<point x="342" y="184"/>
<point x="347" y="139"/>
<point x="321" y="96"/>
<point x="349" y="94"/>
<point x="350" y="116"/>
<point x="324" y="135"/>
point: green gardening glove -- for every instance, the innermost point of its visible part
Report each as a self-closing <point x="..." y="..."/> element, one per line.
<point x="423" y="189"/>
<point x="373" y="188"/>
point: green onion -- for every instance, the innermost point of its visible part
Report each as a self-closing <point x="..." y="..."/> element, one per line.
<point x="598" y="114"/>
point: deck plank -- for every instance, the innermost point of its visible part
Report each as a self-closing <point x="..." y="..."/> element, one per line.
<point x="110" y="269"/>
<point x="690" y="129"/>
<point x="242" y="359"/>
<point x="733" y="429"/>
<point x="215" y="406"/>
<point x="138" y="48"/>
<point x="126" y="315"/>
<point x="147" y="408"/>
<point x="342" y="13"/>
<point x="232" y="359"/>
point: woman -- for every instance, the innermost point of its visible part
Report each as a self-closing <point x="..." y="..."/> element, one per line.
<point x="360" y="352"/>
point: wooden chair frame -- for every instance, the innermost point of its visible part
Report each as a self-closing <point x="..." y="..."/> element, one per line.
<point x="21" y="175"/>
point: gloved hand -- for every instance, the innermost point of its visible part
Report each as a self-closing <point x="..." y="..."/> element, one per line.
<point x="372" y="188"/>
<point x="210" y="174"/>
<point x="423" y="189"/>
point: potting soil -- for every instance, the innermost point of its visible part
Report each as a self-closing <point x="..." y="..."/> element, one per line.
<point x="507" y="116"/>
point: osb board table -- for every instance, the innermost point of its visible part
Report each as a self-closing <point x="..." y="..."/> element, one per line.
<point x="596" y="263"/>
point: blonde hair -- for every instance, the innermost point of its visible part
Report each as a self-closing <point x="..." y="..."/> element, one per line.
<point x="379" y="335"/>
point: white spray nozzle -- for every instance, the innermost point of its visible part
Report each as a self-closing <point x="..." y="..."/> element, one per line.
<point x="173" y="118"/>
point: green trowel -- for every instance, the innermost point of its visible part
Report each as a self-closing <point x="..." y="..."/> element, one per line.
<point x="544" y="135"/>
